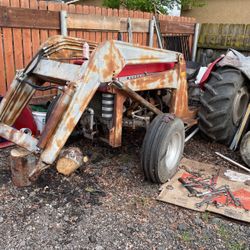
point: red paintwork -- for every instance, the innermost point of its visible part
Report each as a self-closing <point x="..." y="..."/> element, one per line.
<point x="78" y="62"/>
<point x="25" y="120"/>
<point x="136" y="69"/>
<point x="242" y="194"/>
<point x="208" y="72"/>
<point x="5" y="144"/>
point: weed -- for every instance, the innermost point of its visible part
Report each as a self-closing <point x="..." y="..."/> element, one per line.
<point x="205" y="216"/>
<point x="186" y="236"/>
<point x="236" y="246"/>
<point x="223" y="232"/>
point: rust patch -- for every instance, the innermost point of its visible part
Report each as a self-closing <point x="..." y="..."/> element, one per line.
<point x="147" y="57"/>
<point x="115" y="134"/>
<point x="157" y="81"/>
<point x="179" y="102"/>
<point x="109" y="63"/>
<point x="71" y="124"/>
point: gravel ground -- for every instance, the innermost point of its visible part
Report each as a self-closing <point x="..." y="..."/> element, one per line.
<point x="107" y="204"/>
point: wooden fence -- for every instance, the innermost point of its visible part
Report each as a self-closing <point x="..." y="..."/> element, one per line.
<point x="219" y="37"/>
<point x="25" y="24"/>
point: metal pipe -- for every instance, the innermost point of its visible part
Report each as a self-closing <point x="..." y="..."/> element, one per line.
<point x="195" y="43"/>
<point x="233" y="162"/>
<point x="92" y="113"/>
<point x="56" y="115"/>
<point x="191" y="135"/>
<point x="63" y="22"/>
<point x="119" y="85"/>
<point x="151" y="33"/>
<point x="158" y="32"/>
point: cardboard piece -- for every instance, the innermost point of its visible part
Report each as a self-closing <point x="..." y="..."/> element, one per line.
<point x="175" y="193"/>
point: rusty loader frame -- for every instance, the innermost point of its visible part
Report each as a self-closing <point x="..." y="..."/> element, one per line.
<point x="121" y="69"/>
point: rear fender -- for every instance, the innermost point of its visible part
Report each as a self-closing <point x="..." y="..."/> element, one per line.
<point x="208" y="71"/>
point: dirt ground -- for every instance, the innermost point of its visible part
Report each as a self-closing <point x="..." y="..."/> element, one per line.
<point x="107" y="204"/>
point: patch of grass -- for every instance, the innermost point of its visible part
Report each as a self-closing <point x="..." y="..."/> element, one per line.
<point x="236" y="246"/>
<point x="142" y="201"/>
<point x="205" y="216"/>
<point x="223" y="232"/>
<point x="186" y="236"/>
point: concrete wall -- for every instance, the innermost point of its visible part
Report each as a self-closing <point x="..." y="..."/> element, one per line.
<point x="222" y="11"/>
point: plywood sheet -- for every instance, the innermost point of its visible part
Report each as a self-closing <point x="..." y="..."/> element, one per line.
<point x="173" y="192"/>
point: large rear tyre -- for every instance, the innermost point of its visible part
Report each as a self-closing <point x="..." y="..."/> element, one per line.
<point x="245" y="148"/>
<point x="223" y="104"/>
<point x="163" y="148"/>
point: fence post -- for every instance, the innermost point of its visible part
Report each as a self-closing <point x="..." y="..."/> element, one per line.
<point x="130" y="32"/>
<point x="195" y="43"/>
<point x="151" y="32"/>
<point x="63" y="22"/>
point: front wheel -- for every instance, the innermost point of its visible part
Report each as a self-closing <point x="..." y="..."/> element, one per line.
<point x="163" y="148"/>
<point x="245" y="148"/>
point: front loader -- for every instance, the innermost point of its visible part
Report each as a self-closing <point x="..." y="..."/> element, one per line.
<point x="120" y="85"/>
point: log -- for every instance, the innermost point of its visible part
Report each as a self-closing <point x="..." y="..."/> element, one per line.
<point x="70" y="159"/>
<point x="22" y="162"/>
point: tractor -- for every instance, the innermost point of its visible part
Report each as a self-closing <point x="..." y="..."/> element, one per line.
<point x="117" y="85"/>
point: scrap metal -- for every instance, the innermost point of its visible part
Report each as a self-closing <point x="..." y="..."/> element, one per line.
<point x="209" y="197"/>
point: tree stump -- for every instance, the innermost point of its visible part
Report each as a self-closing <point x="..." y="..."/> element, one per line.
<point x="70" y="159"/>
<point x="22" y="162"/>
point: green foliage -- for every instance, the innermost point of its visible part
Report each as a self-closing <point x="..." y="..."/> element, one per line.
<point x="223" y="232"/>
<point x="188" y="4"/>
<point x="237" y="246"/>
<point x="186" y="237"/>
<point x="151" y="5"/>
<point x="114" y="4"/>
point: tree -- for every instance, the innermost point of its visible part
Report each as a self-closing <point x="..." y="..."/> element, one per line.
<point x="160" y="6"/>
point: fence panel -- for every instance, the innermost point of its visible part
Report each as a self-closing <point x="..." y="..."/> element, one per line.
<point x="34" y="21"/>
<point x="216" y="38"/>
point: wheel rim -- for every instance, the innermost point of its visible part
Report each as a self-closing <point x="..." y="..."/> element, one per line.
<point x="173" y="151"/>
<point x="240" y="105"/>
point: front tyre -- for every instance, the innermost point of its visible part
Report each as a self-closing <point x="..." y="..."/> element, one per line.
<point x="163" y="148"/>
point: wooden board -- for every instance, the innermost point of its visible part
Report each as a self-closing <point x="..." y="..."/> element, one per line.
<point x="138" y="24"/>
<point x="17" y="42"/>
<point x="2" y="68"/>
<point x="174" y="27"/>
<point x="28" y="18"/>
<point x="8" y="54"/>
<point x="92" y="22"/>
<point x="27" y="43"/>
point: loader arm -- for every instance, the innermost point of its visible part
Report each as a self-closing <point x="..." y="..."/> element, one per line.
<point x="79" y="83"/>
